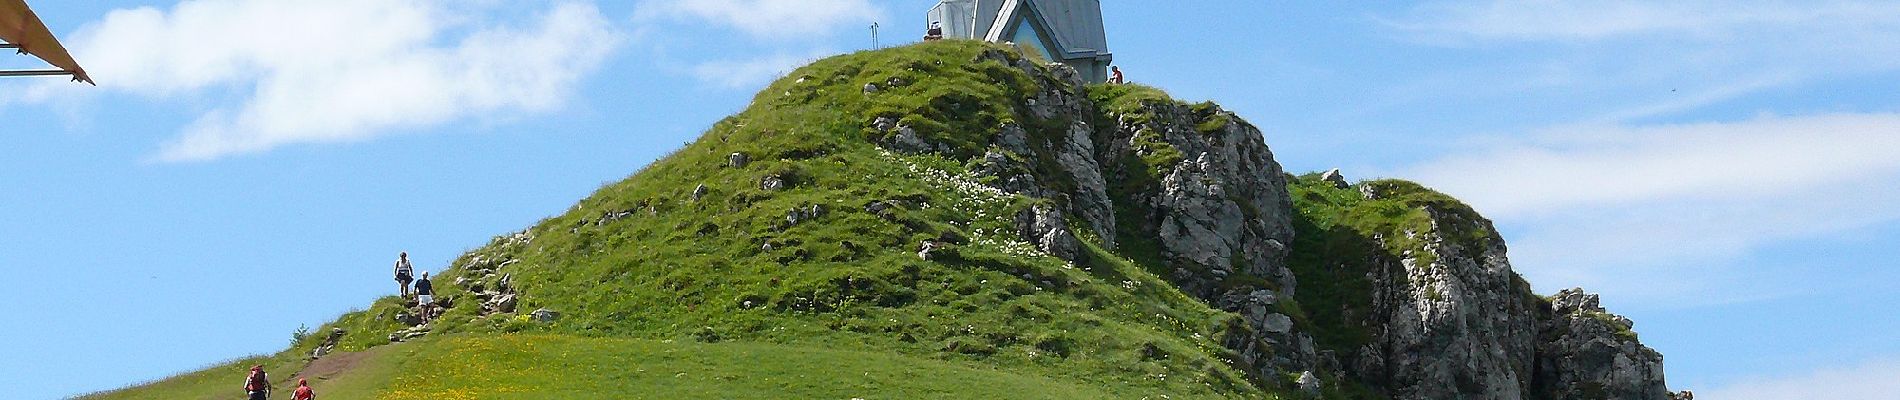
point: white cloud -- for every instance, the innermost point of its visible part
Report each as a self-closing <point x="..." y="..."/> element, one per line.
<point x="1638" y="211"/>
<point x="1604" y="19"/>
<point x="1616" y="164"/>
<point x="342" y="70"/>
<point x="772" y="19"/>
<point x="1873" y="380"/>
<point x="1662" y="58"/>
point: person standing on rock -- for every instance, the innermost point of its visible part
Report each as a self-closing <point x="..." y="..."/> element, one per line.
<point x="303" y="391"/>
<point x="404" y="272"/>
<point x="257" y="385"/>
<point x="425" y="297"/>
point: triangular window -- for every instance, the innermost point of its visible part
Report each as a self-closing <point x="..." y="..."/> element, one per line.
<point x="1029" y="33"/>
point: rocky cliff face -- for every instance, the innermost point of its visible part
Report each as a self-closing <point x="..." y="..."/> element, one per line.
<point x="1219" y="217"/>
<point x="1448" y="318"/>
<point x="1584" y="352"/>
<point x="1455" y="323"/>
<point x="1195" y="191"/>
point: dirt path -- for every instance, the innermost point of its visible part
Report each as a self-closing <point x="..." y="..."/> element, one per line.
<point x="337" y="363"/>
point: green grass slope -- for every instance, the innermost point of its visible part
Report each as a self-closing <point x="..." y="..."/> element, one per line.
<point x="748" y="290"/>
<point x="541" y="366"/>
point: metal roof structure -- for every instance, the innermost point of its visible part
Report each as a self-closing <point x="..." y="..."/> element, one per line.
<point x="22" y="31"/>
<point x="1068" y="31"/>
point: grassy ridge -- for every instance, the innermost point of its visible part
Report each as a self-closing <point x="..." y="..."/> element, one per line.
<point x="829" y="261"/>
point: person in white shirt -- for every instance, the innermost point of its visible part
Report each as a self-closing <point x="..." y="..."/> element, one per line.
<point x="404" y="273"/>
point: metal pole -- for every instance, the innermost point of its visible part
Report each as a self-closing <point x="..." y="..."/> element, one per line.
<point x="874" y="43"/>
<point x="973" y="18"/>
<point x="42" y="72"/>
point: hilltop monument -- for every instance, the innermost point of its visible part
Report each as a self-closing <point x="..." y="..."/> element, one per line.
<point x="1068" y="31"/>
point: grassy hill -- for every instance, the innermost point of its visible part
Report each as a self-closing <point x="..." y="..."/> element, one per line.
<point x="797" y="273"/>
<point x="537" y="366"/>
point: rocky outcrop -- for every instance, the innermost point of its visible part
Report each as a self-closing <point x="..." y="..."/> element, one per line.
<point x="328" y="344"/>
<point x="493" y="290"/>
<point x="1045" y="228"/>
<point x="1452" y="322"/>
<point x="1196" y="189"/>
<point x="1218" y="215"/>
<point x="1267" y="340"/>
<point x="1584" y="352"/>
<point x="544" y="315"/>
<point x="1221" y="218"/>
<point x="1222" y="209"/>
<point x="1335" y="178"/>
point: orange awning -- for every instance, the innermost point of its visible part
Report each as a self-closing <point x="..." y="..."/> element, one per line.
<point x="20" y="27"/>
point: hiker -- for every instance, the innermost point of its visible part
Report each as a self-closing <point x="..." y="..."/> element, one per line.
<point x="1116" y="76"/>
<point x="935" y="32"/>
<point x="303" y="391"/>
<point x="257" y="385"/>
<point x="403" y="272"/>
<point x="425" y="297"/>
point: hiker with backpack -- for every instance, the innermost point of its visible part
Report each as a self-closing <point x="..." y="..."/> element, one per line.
<point x="404" y="272"/>
<point x="257" y="385"/>
<point x="303" y="391"/>
<point x="425" y="297"/>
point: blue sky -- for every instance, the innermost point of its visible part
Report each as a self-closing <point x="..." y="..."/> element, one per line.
<point x="1724" y="172"/>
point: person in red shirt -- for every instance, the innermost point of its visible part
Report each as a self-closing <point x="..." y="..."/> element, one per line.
<point x="257" y="385"/>
<point x="1116" y="77"/>
<point x="303" y="391"/>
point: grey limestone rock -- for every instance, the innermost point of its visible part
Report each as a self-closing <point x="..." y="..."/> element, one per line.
<point x="1012" y="175"/>
<point x="805" y="213"/>
<point x="1076" y="156"/>
<point x="408" y="319"/>
<point x="1455" y="322"/>
<point x="1044" y="227"/>
<point x="1012" y="137"/>
<point x="737" y="160"/>
<point x="501" y="304"/>
<point x="772" y="183"/>
<point x="329" y="343"/>
<point x="883" y="124"/>
<point x="906" y="140"/>
<point x="1584" y="351"/>
<point x="1308" y="383"/>
<point x="1334" y="177"/>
